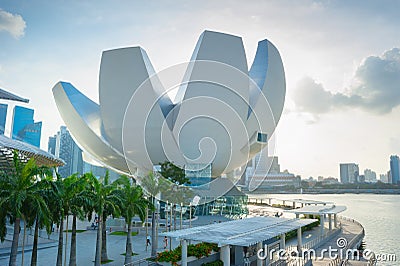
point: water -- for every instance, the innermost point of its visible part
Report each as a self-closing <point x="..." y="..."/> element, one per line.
<point x="379" y="214"/>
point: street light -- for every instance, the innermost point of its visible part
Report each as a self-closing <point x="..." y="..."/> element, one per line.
<point x="166" y="215"/>
<point x="180" y="227"/>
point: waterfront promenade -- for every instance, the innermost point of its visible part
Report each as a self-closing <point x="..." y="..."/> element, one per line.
<point x="351" y="231"/>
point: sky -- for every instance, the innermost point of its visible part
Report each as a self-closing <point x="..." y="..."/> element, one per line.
<point x="341" y="59"/>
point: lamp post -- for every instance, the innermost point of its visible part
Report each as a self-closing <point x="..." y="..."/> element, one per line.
<point x="170" y="239"/>
<point x="190" y="215"/>
<point x="147" y="230"/>
<point x="166" y="216"/>
<point x="180" y="227"/>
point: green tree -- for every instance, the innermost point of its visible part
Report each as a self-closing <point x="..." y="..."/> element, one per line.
<point x="109" y="209"/>
<point x="153" y="185"/>
<point x="134" y="204"/>
<point x="79" y="206"/>
<point x="45" y="187"/>
<point x="173" y="173"/>
<point x="17" y="189"/>
<point x="103" y="196"/>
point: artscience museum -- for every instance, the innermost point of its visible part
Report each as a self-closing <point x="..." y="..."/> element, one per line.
<point x="209" y="116"/>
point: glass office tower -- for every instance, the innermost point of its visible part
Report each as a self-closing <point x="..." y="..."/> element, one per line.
<point x="3" y="117"/>
<point x="24" y="128"/>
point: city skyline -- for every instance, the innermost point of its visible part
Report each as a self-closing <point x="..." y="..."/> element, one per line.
<point x="336" y="55"/>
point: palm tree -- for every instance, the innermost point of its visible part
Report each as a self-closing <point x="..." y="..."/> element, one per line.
<point x="17" y="189"/>
<point x="45" y="186"/>
<point x="71" y="200"/>
<point x="79" y="207"/>
<point x="103" y="196"/>
<point x="109" y="209"/>
<point x="134" y="203"/>
<point x="57" y="214"/>
<point x="153" y="186"/>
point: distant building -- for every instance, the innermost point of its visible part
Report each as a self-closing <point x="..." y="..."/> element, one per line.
<point x="389" y="177"/>
<point x="64" y="147"/>
<point x="395" y="169"/>
<point x="370" y="176"/>
<point x="24" y="128"/>
<point x="383" y="178"/>
<point x="51" y="145"/>
<point x="3" y="117"/>
<point x="277" y="180"/>
<point x="99" y="171"/>
<point x="330" y="180"/>
<point x="349" y="173"/>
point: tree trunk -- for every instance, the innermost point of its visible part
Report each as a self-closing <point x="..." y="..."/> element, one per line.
<point x="97" y="259"/>
<point x="35" y="244"/>
<point x="128" y="247"/>
<point x="23" y="244"/>
<point x="14" y="246"/>
<point x="66" y="242"/>
<point x="60" y="243"/>
<point x="154" y="239"/>
<point x="104" y="256"/>
<point x="72" y="254"/>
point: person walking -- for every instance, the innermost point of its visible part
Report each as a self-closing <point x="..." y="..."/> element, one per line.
<point x="148" y="243"/>
<point x="165" y="242"/>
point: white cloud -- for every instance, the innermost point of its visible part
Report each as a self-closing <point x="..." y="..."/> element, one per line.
<point x="375" y="88"/>
<point x="12" y="23"/>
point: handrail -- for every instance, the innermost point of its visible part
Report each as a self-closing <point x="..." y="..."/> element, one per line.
<point x="144" y="261"/>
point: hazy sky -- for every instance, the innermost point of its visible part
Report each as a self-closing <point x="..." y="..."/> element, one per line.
<point x="341" y="58"/>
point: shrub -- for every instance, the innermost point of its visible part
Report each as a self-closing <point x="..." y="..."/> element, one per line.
<point x="214" y="263"/>
<point x="198" y="250"/>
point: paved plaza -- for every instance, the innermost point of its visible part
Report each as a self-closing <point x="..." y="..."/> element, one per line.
<point x="86" y="244"/>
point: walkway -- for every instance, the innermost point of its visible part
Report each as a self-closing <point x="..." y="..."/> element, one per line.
<point x="350" y="238"/>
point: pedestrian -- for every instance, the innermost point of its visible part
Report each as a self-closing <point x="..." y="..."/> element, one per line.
<point x="148" y="243"/>
<point x="165" y="242"/>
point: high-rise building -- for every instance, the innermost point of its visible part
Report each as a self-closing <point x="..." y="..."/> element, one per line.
<point x="349" y="173"/>
<point x="3" y="117"/>
<point x="370" y="176"/>
<point x="51" y="145"/>
<point x="24" y="128"/>
<point x="389" y="177"/>
<point x="66" y="149"/>
<point x="383" y="178"/>
<point x="395" y="169"/>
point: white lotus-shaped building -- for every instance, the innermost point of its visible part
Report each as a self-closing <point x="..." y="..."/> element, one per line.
<point x="221" y="116"/>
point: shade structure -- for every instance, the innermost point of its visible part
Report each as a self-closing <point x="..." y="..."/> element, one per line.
<point x="318" y="210"/>
<point x="25" y="152"/>
<point x="244" y="232"/>
<point x="309" y="202"/>
<point x="5" y="95"/>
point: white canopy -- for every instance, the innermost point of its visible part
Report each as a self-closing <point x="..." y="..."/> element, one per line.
<point x="310" y="209"/>
<point x="245" y="232"/>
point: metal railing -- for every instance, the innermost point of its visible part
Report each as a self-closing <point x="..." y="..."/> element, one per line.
<point x="141" y="262"/>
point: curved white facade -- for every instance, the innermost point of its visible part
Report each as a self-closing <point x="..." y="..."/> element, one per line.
<point x="222" y="115"/>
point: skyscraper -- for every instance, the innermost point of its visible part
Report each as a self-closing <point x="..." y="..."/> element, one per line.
<point x="51" y="145"/>
<point x="349" y="173"/>
<point x="24" y="128"/>
<point x="3" y="116"/>
<point x="370" y="176"/>
<point x="395" y="169"/>
<point x="65" y="148"/>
